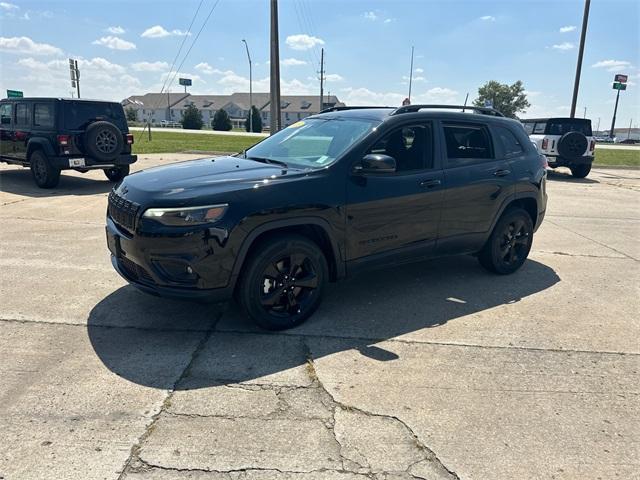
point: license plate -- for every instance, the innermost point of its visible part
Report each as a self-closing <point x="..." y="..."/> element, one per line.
<point x="113" y="242"/>
<point x="76" y="162"/>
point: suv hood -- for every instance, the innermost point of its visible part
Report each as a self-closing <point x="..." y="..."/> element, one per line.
<point x="197" y="178"/>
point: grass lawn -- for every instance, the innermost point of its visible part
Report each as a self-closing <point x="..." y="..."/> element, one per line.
<point x="172" y="142"/>
<point x="604" y="157"/>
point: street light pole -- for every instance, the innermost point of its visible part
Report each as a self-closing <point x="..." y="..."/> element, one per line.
<point x="576" y="85"/>
<point x="250" y="88"/>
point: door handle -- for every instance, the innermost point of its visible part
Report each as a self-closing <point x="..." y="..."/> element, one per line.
<point x="434" y="182"/>
<point x="501" y="173"/>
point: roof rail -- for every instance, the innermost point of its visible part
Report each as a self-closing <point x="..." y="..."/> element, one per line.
<point x="415" y="108"/>
<point x="339" y="109"/>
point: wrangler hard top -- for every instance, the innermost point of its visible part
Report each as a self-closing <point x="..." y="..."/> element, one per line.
<point x="53" y="134"/>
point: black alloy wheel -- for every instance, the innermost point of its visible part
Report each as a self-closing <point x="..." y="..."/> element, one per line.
<point x="282" y="281"/>
<point x="509" y="243"/>
<point x="106" y="141"/>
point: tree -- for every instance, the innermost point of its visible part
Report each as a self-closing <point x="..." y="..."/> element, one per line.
<point x="507" y="99"/>
<point x="132" y="114"/>
<point x="192" y="118"/>
<point x="257" y="121"/>
<point x="221" y="121"/>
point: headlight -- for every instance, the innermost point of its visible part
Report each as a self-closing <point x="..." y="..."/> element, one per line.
<point x="188" y="216"/>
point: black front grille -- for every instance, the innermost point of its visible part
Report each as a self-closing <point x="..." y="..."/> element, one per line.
<point x="123" y="212"/>
<point x="135" y="271"/>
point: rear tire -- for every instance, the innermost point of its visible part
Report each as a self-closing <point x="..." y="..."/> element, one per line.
<point x="580" y="171"/>
<point x="44" y="174"/>
<point x="509" y="244"/>
<point x="282" y="282"/>
<point x="116" y="174"/>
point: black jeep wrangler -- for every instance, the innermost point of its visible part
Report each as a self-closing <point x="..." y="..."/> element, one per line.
<point x="327" y="197"/>
<point x="53" y="134"/>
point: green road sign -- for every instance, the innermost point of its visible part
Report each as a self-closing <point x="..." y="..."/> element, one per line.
<point x="619" y="86"/>
<point x="14" y="94"/>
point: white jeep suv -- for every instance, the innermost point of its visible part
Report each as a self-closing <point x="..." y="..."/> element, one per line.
<point x="566" y="142"/>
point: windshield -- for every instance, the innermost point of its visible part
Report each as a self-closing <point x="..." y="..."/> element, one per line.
<point x="312" y="143"/>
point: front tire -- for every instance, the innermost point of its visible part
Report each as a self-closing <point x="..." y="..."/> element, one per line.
<point x="44" y="174"/>
<point x="509" y="243"/>
<point x="282" y="282"/>
<point x="116" y="174"/>
<point x="580" y="171"/>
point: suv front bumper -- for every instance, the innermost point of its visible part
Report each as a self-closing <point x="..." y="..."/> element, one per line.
<point x="64" y="162"/>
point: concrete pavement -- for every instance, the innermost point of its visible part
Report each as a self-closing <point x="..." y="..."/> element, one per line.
<point x="436" y="370"/>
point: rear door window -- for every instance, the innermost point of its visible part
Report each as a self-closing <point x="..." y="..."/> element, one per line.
<point x="467" y="144"/>
<point x="43" y="115"/>
<point x="511" y="146"/>
<point x="22" y="114"/>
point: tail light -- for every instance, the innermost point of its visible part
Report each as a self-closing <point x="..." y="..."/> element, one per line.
<point x="592" y="146"/>
<point x="129" y="139"/>
<point x="64" y="140"/>
<point x="545" y="143"/>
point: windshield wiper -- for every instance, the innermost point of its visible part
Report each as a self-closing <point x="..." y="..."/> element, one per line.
<point x="268" y="160"/>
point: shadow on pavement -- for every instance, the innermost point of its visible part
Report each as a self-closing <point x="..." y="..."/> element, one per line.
<point x="565" y="176"/>
<point x="20" y="182"/>
<point x="356" y="314"/>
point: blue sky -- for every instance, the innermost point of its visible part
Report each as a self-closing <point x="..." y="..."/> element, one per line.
<point x="126" y="47"/>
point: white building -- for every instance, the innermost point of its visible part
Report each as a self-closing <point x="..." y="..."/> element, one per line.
<point x="169" y="106"/>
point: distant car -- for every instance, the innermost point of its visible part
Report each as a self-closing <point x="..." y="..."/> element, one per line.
<point x="566" y="142"/>
<point x="53" y="134"/>
<point x="629" y="141"/>
<point x="328" y="196"/>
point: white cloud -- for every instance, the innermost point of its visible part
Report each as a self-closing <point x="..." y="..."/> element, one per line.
<point x="416" y="78"/>
<point x="334" y="77"/>
<point x="115" y="30"/>
<point x="488" y="18"/>
<point x="9" y="6"/>
<point x="388" y="20"/>
<point x="26" y="45"/>
<point x="568" y="28"/>
<point x="612" y="65"/>
<point x="563" y="46"/>
<point x="370" y="16"/>
<point x="437" y="94"/>
<point x="204" y="67"/>
<point x="115" y="43"/>
<point x="158" y="31"/>
<point x="150" y="66"/>
<point x="303" y="41"/>
<point x="292" y="62"/>
<point x="419" y="70"/>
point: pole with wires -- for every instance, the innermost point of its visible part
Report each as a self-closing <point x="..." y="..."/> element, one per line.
<point x="275" y="70"/>
<point x="250" y="88"/>
<point x="322" y="79"/>
<point x="583" y="36"/>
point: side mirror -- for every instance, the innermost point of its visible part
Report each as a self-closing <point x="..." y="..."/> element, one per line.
<point x="376" y="163"/>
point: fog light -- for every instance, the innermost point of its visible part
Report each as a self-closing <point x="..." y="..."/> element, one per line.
<point x="189" y="270"/>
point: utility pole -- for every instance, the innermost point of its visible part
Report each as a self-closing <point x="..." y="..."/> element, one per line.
<point x="615" y="112"/>
<point x="321" y="79"/>
<point x="585" y="113"/>
<point x="629" y="131"/>
<point x="275" y="70"/>
<point x="250" y="88"/>
<point x="576" y="85"/>
<point x="410" y="75"/>
<point x="598" y="127"/>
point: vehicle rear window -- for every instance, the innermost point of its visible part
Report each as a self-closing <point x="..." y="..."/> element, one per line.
<point x="560" y="127"/>
<point x="467" y="142"/>
<point x="43" y="115"/>
<point x="22" y="114"/>
<point x="5" y="113"/>
<point x="539" y="128"/>
<point x="528" y="127"/>
<point x="78" y="114"/>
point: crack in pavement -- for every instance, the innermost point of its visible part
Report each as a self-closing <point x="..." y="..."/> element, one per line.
<point x="135" y="448"/>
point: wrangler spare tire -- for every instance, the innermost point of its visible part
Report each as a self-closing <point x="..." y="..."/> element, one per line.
<point x="103" y="141"/>
<point x="572" y="145"/>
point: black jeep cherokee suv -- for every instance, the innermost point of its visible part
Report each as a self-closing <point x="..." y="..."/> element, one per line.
<point x="53" y="134"/>
<point x="325" y="197"/>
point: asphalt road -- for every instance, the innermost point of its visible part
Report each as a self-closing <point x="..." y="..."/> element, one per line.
<point x="435" y="370"/>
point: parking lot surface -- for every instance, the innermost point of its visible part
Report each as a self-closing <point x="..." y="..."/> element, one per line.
<point x="435" y="370"/>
